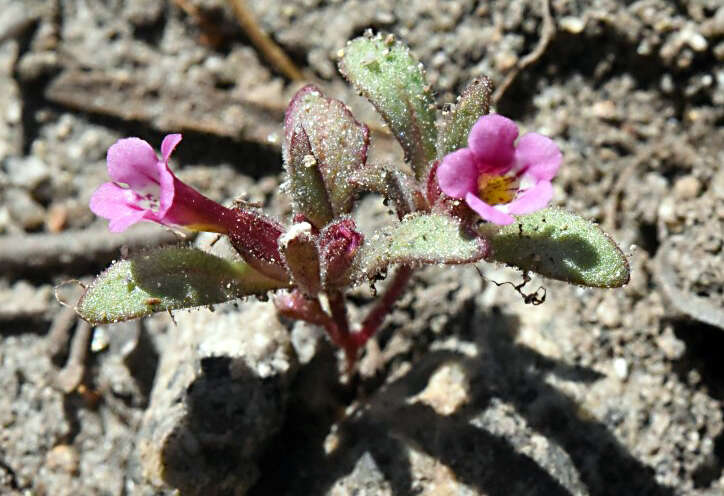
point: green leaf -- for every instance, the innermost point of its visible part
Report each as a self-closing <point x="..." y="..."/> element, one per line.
<point x="418" y="239"/>
<point x="323" y="142"/>
<point x="306" y="184"/>
<point x="457" y="122"/>
<point x="384" y="71"/>
<point x="559" y="245"/>
<point x="166" y="279"/>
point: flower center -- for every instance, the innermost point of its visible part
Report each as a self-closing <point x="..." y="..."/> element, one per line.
<point x="146" y="201"/>
<point x="149" y="202"/>
<point x="494" y="189"/>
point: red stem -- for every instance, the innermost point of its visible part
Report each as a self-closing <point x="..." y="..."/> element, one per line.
<point x="338" y="308"/>
<point x="383" y="306"/>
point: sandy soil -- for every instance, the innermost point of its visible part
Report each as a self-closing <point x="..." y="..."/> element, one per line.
<point x="467" y="390"/>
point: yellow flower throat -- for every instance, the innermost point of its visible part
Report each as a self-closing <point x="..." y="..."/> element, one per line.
<point x="495" y="190"/>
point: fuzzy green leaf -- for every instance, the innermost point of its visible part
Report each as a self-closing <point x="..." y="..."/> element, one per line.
<point x="166" y="279"/>
<point x="386" y="73"/>
<point x="559" y="245"/>
<point x="457" y="122"/>
<point x="324" y="144"/>
<point x="306" y="183"/>
<point x="418" y="239"/>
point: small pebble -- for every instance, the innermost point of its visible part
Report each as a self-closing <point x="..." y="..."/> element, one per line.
<point x="23" y="209"/>
<point x="447" y="390"/>
<point x="686" y="188"/>
<point x="63" y="457"/>
<point x="27" y="172"/>
<point x="608" y="313"/>
<point x="605" y="109"/>
<point x="572" y="24"/>
<point x="695" y="40"/>
<point x="57" y="218"/>
<point x="620" y="367"/>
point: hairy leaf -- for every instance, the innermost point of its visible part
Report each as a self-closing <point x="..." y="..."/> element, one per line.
<point x="559" y="245"/>
<point x="384" y="71"/>
<point x="457" y="122"/>
<point x="418" y="239"/>
<point x="166" y="279"/>
<point x="322" y="134"/>
<point x="301" y="255"/>
<point x="306" y="184"/>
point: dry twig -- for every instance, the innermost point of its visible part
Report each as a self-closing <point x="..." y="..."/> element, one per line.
<point x="70" y="376"/>
<point x="35" y="252"/>
<point x="547" y="32"/>
<point x="270" y="50"/>
<point x="59" y="332"/>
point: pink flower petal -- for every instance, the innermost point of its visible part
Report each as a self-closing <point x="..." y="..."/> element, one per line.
<point x="458" y="174"/>
<point x="132" y="161"/>
<point x="538" y="155"/>
<point x="487" y="212"/>
<point x="110" y="200"/>
<point x="120" y="224"/>
<point x="168" y="145"/>
<point x="168" y="182"/>
<point x="534" y="199"/>
<point x="491" y="140"/>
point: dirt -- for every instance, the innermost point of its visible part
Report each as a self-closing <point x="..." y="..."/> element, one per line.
<point x="466" y="390"/>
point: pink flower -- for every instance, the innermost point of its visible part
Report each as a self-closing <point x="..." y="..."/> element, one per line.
<point x="144" y="188"/>
<point x="496" y="177"/>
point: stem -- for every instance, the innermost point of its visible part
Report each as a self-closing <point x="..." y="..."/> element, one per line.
<point x="297" y="306"/>
<point x="338" y="308"/>
<point x="383" y="306"/>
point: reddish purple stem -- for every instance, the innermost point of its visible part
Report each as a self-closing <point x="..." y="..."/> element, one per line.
<point x="383" y="306"/>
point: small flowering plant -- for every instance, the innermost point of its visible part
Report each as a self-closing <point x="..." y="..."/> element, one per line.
<point x="471" y="191"/>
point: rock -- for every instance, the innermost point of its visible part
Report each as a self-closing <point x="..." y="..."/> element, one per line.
<point x="219" y="396"/>
<point x="686" y="188"/>
<point x="11" y="131"/>
<point x="605" y="109"/>
<point x="365" y="480"/>
<point x="142" y="13"/>
<point x="16" y="18"/>
<point x="608" y="312"/>
<point x="23" y="209"/>
<point x="572" y="25"/>
<point x="27" y="172"/>
<point x="620" y="367"/>
<point x="22" y="300"/>
<point x="447" y="390"/>
<point x="63" y="457"/>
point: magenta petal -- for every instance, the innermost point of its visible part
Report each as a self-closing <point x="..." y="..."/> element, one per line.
<point x="487" y="212"/>
<point x="534" y="199"/>
<point x="168" y="145"/>
<point x="110" y="200"/>
<point x="167" y="193"/>
<point x="491" y="140"/>
<point x="457" y="174"/>
<point x="132" y="161"/>
<point x="538" y="155"/>
<point x="120" y="224"/>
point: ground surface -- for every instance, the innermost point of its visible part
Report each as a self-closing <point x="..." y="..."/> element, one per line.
<point x="467" y="390"/>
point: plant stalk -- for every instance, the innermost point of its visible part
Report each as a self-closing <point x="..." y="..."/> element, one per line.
<point x="383" y="306"/>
